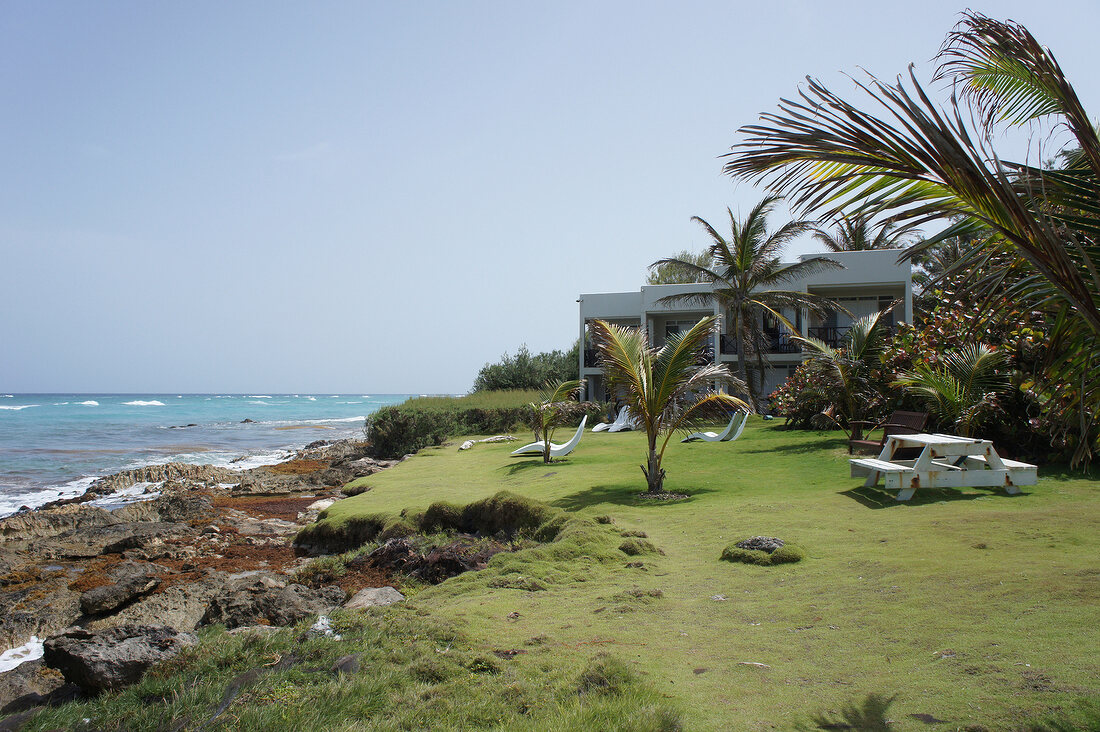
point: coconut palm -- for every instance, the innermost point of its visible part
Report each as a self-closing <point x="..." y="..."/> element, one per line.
<point x="666" y="389"/>
<point x="745" y="275"/>
<point x="858" y="233"/>
<point x="920" y="162"/>
<point x="962" y="389"/>
<point x="672" y="273"/>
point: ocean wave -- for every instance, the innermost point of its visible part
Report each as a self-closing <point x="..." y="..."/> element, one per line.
<point x="10" y="503"/>
<point x="136" y="493"/>
<point x="90" y="403"/>
<point x="315" y="421"/>
<point x="258" y="396"/>
<point x="23" y="406"/>
<point x="257" y="401"/>
<point x="60" y="404"/>
<point x="139" y="403"/>
<point x="7" y="396"/>
<point x="312" y="399"/>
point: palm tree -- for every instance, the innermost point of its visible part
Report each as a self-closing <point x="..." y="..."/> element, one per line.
<point x="963" y="389"/>
<point x="919" y="163"/>
<point x="845" y="372"/>
<point x="666" y="388"/>
<point x="858" y="233"/>
<point x="744" y="276"/>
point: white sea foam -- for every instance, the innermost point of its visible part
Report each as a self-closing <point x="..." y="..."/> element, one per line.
<point x="90" y="403"/>
<point x="60" y="404"/>
<point x="139" y="403"/>
<point x="312" y="399"/>
<point x="7" y="396"/>
<point x="10" y="503"/>
<point x="365" y="396"/>
<point x="258" y="396"/>
<point x="315" y="421"/>
<point x="257" y="401"/>
<point x="23" y="406"/>
<point x="334" y="396"/>
<point x="124" y="497"/>
<point x="29" y="651"/>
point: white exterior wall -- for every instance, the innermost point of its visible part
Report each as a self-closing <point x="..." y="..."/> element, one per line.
<point x="864" y="274"/>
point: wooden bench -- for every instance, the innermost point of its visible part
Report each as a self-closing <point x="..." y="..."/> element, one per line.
<point x="898" y="423"/>
<point x="865" y="466"/>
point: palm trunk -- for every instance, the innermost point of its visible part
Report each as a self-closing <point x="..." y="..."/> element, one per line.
<point x="654" y="475"/>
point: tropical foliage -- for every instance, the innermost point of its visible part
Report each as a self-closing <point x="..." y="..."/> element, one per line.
<point x="745" y="277"/>
<point x="920" y="162"/>
<point x="668" y="388"/>
<point x="963" y="391"/>
<point x="526" y="370"/>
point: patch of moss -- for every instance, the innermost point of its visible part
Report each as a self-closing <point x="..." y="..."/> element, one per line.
<point x="786" y="554"/>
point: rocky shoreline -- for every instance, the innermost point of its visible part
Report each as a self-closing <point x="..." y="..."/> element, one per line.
<point x="213" y="546"/>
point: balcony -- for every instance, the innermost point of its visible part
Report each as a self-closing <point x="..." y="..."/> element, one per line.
<point x="591" y="358"/>
<point x="776" y="343"/>
<point x="832" y="335"/>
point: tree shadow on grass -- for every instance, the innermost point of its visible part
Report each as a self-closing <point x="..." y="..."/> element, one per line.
<point x="868" y="716"/>
<point x="879" y="497"/>
<point x="521" y="466"/>
<point x="824" y="443"/>
<point x="622" y="494"/>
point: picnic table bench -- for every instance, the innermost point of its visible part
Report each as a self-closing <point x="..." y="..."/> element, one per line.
<point x="945" y="461"/>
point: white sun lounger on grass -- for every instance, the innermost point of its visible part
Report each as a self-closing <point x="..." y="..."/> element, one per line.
<point x="727" y="435"/>
<point x="556" y="450"/>
<point x="622" y="422"/>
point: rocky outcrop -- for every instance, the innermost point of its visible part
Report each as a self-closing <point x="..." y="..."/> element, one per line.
<point x="180" y="606"/>
<point x="204" y="475"/>
<point x="34" y="524"/>
<point x="131" y="580"/>
<point x="264" y="599"/>
<point x="32" y="684"/>
<point x="113" y="658"/>
<point x="172" y="507"/>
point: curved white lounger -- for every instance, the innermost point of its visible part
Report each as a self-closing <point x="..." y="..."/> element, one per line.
<point x="620" y="419"/>
<point x="556" y="450"/>
<point x="725" y="435"/>
<point x="623" y="422"/>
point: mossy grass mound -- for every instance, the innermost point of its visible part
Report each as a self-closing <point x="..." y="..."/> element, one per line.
<point x="786" y="554"/>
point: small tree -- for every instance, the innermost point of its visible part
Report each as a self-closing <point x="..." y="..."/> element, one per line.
<point x="963" y="389"/>
<point x="667" y="389"/>
<point x="557" y="403"/>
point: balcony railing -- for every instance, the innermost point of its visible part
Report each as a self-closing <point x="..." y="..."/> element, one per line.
<point x="833" y="335"/>
<point x="591" y="358"/>
<point x="777" y="343"/>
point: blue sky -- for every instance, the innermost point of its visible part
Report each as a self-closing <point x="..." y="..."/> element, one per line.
<point x="327" y="196"/>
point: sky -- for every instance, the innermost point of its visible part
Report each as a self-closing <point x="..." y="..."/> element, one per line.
<point x="383" y="197"/>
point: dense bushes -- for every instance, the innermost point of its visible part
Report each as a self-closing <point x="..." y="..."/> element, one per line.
<point x="529" y="371"/>
<point x="425" y="422"/>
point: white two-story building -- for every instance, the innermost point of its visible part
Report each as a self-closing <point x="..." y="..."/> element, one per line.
<point x="868" y="282"/>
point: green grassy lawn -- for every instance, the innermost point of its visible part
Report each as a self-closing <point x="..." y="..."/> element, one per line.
<point x="970" y="606"/>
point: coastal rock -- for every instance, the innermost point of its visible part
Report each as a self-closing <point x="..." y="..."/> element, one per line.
<point x="112" y="538"/>
<point x="204" y="475"/>
<point x="374" y="597"/>
<point x="54" y="521"/>
<point x="37" y="608"/>
<point x="173" y="507"/>
<point x="259" y="603"/>
<point x="180" y="606"/>
<point x="113" y="658"/>
<point x="131" y="581"/>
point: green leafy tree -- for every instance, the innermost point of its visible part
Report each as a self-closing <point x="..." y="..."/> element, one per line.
<point x="667" y="388"/>
<point x="746" y="278"/>
<point x="673" y="273"/>
<point x="526" y="370"/>
<point x="920" y="162"/>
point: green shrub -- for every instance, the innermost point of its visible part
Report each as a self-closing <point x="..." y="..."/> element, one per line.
<point x="785" y="554"/>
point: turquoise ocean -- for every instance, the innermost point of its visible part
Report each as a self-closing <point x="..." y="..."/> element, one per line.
<point x="56" y="445"/>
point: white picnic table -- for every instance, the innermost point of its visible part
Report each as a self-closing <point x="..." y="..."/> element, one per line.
<point x="945" y="461"/>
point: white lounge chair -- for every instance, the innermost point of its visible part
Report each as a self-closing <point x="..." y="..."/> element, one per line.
<point x="727" y="435"/>
<point x="624" y="422"/>
<point x="556" y="450"/>
<point x="620" y="419"/>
